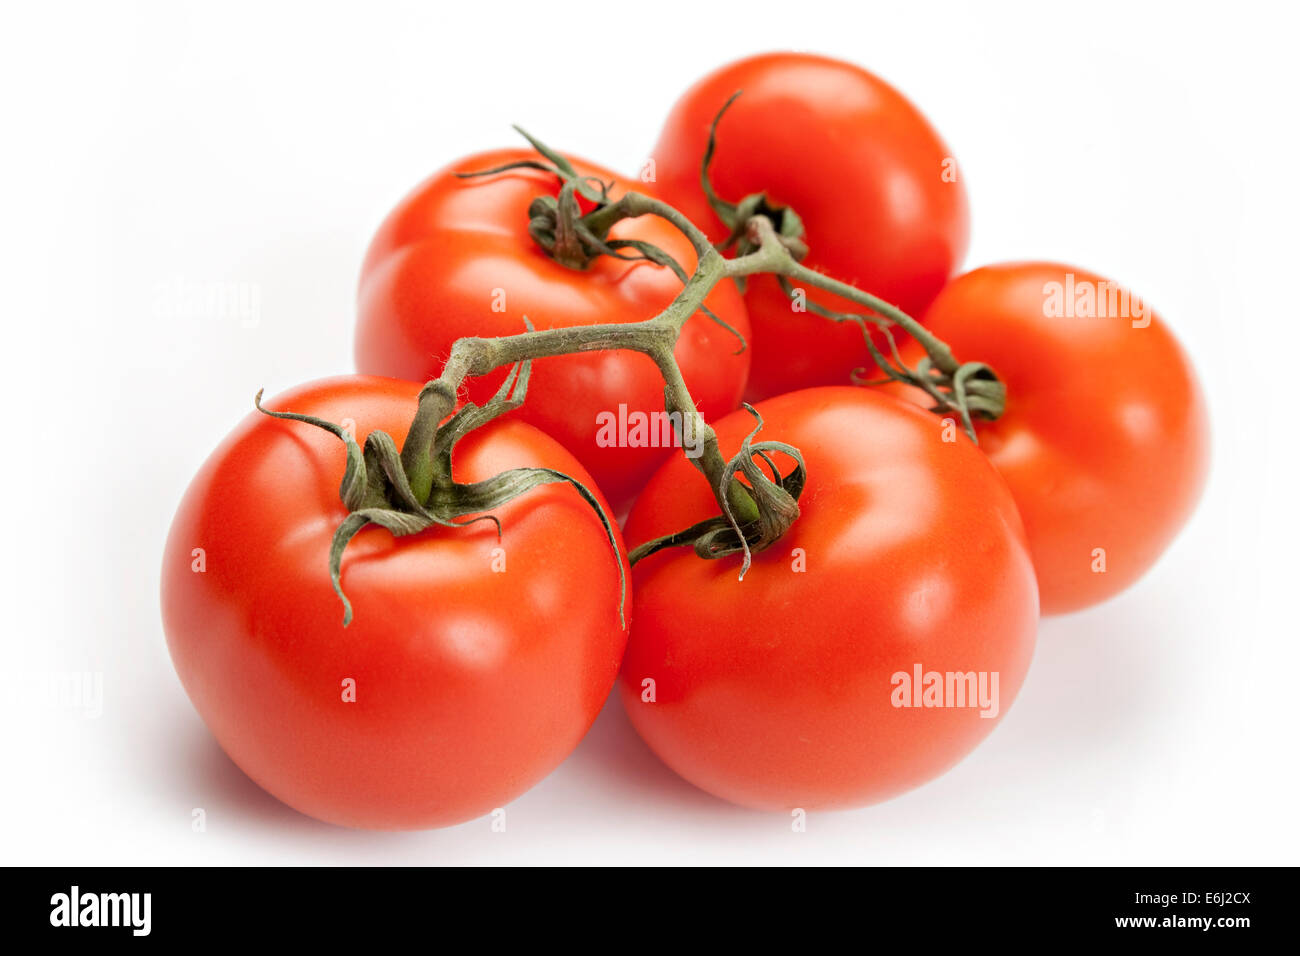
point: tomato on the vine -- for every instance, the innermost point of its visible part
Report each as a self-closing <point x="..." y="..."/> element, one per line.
<point x="882" y="202"/>
<point x="783" y="689"/>
<point x="1104" y="441"/>
<point x="455" y="258"/>
<point x="473" y="665"/>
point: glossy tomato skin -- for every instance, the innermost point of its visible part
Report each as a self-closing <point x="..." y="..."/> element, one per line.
<point x="775" y="692"/>
<point x="1105" y="438"/>
<point x="471" y="684"/>
<point x="455" y="259"/>
<point x="883" y="205"/>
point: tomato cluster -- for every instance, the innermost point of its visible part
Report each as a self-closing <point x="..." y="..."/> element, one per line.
<point x="863" y="653"/>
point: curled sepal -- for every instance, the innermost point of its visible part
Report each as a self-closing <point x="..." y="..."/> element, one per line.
<point x="979" y="391"/>
<point x="352" y="490"/>
<point x="344" y="533"/>
<point x="564" y="169"/>
<point x="775" y="499"/>
<point x="481" y="496"/>
<point x="590" y="188"/>
<point x="736" y="215"/>
<point x="725" y="210"/>
<point x="396" y="522"/>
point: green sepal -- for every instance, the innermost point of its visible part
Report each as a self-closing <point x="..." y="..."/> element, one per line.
<point x="352" y="490"/>
<point x="776" y="499"/>
<point x="736" y="215"/>
<point x="726" y="211"/>
<point x="377" y="490"/>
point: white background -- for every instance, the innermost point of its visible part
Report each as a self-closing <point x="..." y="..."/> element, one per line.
<point x="154" y="145"/>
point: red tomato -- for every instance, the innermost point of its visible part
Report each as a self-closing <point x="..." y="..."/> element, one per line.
<point x="864" y="170"/>
<point x="473" y="680"/>
<point x="455" y="259"/>
<point x="778" y="691"/>
<point x="1104" y="442"/>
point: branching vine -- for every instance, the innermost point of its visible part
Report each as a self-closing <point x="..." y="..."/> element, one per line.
<point x="411" y="490"/>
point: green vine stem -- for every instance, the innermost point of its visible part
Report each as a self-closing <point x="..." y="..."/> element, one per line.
<point x="758" y="509"/>
<point x="412" y="490"/>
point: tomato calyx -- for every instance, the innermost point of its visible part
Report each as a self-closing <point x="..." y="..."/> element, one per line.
<point x="575" y="237"/>
<point x="570" y="234"/>
<point x="559" y="224"/>
<point x="378" y="486"/>
<point x="738" y="216"/>
<point x="774" y="506"/>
